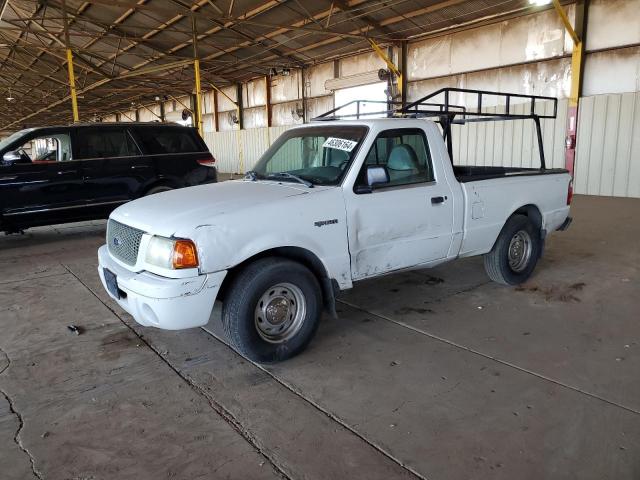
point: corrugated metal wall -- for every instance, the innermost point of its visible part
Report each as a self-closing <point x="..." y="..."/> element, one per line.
<point x="608" y="150"/>
<point x="237" y="151"/>
<point x="513" y="143"/>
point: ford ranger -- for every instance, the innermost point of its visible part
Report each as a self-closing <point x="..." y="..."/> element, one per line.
<point x="329" y="203"/>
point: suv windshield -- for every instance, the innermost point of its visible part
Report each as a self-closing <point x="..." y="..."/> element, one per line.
<point x="319" y="155"/>
<point x="5" y="143"/>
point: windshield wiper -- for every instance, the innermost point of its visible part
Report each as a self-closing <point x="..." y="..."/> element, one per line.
<point x="291" y="176"/>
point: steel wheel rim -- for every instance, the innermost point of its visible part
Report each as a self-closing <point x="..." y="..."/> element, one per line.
<point x="280" y="312"/>
<point x="520" y="249"/>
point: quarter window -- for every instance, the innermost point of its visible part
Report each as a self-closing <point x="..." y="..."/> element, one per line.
<point x="104" y="143"/>
<point x="405" y="155"/>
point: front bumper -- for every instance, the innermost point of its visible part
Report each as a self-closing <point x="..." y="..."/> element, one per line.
<point x="167" y="303"/>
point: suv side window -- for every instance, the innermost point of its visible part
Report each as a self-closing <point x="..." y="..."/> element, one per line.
<point x="55" y="147"/>
<point x="405" y="154"/>
<point x="104" y="143"/>
<point x="162" y="140"/>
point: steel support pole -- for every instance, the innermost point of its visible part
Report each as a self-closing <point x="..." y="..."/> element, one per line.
<point x="403" y="79"/>
<point x="267" y="82"/>
<point x="72" y="76"/>
<point x="196" y="67"/>
<point x="577" y="34"/>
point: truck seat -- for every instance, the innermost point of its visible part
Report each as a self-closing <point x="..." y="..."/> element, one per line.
<point x="402" y="163"/>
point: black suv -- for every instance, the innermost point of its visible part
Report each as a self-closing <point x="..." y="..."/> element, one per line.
<point x="82" y="172"/>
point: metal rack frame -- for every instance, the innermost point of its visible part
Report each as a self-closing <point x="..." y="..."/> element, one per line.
<point x="448" y="114"/>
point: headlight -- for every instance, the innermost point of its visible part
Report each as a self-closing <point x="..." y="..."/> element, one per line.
<point x="170" y="253"/>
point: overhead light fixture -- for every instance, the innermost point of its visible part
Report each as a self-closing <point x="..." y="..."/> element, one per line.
<point x="539" y="3"/>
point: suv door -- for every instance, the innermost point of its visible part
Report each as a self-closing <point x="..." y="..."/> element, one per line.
<point x="44" y="181"/>
<point x="112" y="165"/>
<point x="406" y="222"/>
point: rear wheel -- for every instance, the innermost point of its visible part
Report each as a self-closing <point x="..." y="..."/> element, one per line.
<point x="272" y="310"/>
<point x="515" y="253"/>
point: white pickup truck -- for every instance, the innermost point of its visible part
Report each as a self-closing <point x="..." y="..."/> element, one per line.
<point x="328" y="204"/>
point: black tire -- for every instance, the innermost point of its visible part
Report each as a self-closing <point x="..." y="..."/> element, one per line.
<point x="505" y="269"/>
<point x="158" y="189"/>
<point x="242" y="310"/>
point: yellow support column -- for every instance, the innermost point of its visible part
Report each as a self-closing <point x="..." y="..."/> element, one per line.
<point x="72" y="86"/>
<point x="72" y="77"/>
<point x="576" y="35"/>
<point x="390" y="64"/>
<point x="196" y="67"/>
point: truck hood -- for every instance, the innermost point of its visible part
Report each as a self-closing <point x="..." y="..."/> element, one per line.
<point x="185" y="209"/>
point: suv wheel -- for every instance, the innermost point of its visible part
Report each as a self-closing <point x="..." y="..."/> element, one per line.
<point x="515" y="253"/>
<point x="272" y="310"/>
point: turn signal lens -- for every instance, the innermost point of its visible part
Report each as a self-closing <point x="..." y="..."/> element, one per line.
<point x="185" y="254"/>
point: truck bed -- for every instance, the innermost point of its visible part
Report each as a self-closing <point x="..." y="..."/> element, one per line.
<point x="472" y="173"/>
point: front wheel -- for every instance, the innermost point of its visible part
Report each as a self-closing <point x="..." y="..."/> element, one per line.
<point x="515" y="253"/>
<point x="272" y="310"/>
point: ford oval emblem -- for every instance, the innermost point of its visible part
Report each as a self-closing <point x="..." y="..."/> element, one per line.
<point x="116" y="241"/>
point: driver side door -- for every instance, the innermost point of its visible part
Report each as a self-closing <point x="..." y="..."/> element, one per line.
<point x="408" y="220"/>
<point x="43" y="182"/>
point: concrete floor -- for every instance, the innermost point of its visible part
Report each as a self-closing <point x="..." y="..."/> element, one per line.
<point x="435" y="374"/>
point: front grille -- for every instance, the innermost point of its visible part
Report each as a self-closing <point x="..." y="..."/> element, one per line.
<point x="123" y="241"/>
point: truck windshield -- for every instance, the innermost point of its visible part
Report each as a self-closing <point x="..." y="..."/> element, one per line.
<point x="319" y="155"/>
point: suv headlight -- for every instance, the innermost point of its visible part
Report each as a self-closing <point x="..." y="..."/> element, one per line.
<point x="171" y="253"/>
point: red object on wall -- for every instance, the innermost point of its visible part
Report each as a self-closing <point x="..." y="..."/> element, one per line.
<point x="570" y="143"/>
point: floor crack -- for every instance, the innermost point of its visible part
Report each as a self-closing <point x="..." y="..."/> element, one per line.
<point x="16" y="438"/>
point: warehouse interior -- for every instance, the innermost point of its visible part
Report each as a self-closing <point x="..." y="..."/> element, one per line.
<point x="429" y="373"/>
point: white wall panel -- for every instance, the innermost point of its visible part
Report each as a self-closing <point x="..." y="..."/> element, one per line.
<point x="315" y="77"/>
<point x="238" y="151"/>
<point x="365" y="62"/>
<point x="286" y="87"/>
<point x="223" y="102"/>
<point x="616" y="71"/>
<point x="608" y="150"/>
<point x="255" y="93"/>
<point x="225" y="147"/>
<point x="255" y="117"/>
<point x="538" y="36"/>
<point x="613" y="23"/>
<point x="286" y="113"/>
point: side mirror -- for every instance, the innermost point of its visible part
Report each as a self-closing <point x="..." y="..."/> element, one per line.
<point x="375" y="175"/>
<point x="11" y="157"/>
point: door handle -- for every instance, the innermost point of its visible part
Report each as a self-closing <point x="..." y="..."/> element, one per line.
<point x="138" y="167"/>
<point x="437" y="200"/>
<point x="67" y="172"/>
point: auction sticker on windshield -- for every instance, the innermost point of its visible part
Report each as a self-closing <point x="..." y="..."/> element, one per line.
<point x="339" y="144"/>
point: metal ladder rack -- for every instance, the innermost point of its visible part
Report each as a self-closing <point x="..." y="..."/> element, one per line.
<point x="448" y="113"/>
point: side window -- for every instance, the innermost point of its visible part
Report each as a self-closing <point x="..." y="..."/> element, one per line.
<point x="104" y="143"/>
<point x="46" y="148"/>
<point x="159" y="140"/>
<point x="405" y="154"/>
